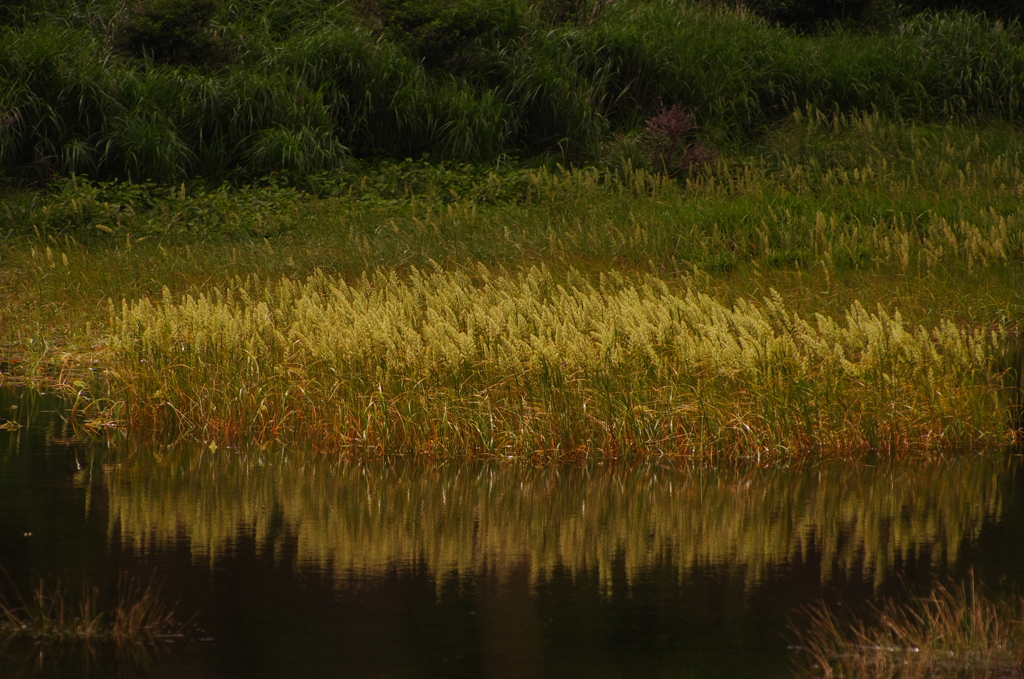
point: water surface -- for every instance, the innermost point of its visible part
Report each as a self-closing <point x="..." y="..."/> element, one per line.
<point x="300" y="564"/>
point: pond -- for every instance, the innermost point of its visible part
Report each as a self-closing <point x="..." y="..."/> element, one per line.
<point x="302" y="564"/>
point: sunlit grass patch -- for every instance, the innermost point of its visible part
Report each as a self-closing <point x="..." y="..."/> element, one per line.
<point x="843" y="215"/>
<point x="531" y="363"/>
<point x="955" y="631"/>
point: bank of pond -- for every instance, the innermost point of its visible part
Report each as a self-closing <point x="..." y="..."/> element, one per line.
<point x="450" y="420"/>
<point x="298" y="562"/>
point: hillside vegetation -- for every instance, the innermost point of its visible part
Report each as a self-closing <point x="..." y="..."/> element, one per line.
<point x="171" y="90"/>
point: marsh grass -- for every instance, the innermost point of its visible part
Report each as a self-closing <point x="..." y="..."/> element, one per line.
<point x="1013" y="360"/>
<point x="844" y="192"/>
<point x="530" y="363"/>
<point x="954" y="631"/>
<point x="82" y="612"/>
<point x="836" y="213"/>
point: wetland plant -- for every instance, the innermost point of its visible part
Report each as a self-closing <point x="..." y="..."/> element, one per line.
<point x="955" y="631"/>
<point x="839" y="213"/>
<point x="534" y="362"/>
<point x="82" y="612"/>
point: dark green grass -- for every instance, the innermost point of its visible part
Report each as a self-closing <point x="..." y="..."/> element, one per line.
<point x="831" y="210"/>
<point x="305" y="88"/>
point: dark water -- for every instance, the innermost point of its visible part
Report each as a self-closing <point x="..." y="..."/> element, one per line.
<point x="302" y="565"/>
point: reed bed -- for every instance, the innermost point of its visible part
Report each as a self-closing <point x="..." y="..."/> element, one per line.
<point x="955" y="631"/>
<point x="524" y="364"/>
<point x="615" y="522"/>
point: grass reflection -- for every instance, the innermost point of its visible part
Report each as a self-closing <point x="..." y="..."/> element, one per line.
<point x="462" y="517"/>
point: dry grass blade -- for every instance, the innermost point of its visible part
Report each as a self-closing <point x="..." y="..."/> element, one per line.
<point x="955" y="631"/>
<point x="82" y="612"/>
<point x="570" y="367"/>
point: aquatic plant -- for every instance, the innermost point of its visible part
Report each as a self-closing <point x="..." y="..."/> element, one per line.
<point x="955" y="631"/>
<point x="62" y="612"/>
<point x="832" y="210"/>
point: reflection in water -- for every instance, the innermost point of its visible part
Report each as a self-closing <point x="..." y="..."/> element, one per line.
<point x="407" y="568"/>
<point x="473" y="518"/>
<point x="25" y="657"/>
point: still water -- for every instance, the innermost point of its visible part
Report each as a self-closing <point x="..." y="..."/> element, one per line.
<point x="303" y="565"/>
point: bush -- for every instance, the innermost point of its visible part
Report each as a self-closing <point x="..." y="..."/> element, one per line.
<point x="670" y="140"/>
<point x="806" y="14"/>
<point x="439" y="34"/>
<point x="175" y="32"/>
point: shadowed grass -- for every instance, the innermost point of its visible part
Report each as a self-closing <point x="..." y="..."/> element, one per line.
<point x="68" y="613"/>
<point x="955" y="631"/>
<point x="300" y="89"/>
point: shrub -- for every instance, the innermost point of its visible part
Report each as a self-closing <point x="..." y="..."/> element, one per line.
<point x="807" y="14"/>
<point x="670" y="140"/>
<point x="440" y="33"/>
<point x="175" y="32"/>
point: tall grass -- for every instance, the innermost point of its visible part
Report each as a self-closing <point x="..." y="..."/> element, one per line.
<point x="82" y="613"/>
<point x="529" y="363"/>
<point x="304" y="88"/>
<point x="955" y="631"/>
<point x="850" y="192"/>
<point x="850" y="218"/>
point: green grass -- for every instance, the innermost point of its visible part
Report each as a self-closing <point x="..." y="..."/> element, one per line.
<point x="875" y="265"/>
<point x="308" y="88"/>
